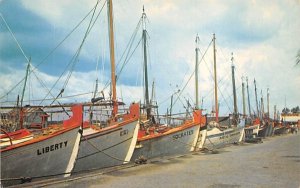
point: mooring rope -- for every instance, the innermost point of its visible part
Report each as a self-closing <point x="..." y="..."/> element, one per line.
<point x="102" y="151"/>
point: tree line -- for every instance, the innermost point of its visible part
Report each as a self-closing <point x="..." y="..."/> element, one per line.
<point x="294" y="110"/>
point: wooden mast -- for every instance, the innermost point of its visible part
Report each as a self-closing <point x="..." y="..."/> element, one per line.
<point x="112" y="56"/>
<point x="196" y="71"/>
<point x="249" y="105"/>
<point x="147" y="106"/>
<point x="24" y="87"/>
<point x="268" y="101"/>
<point x="234" y="92"/>
<point x="243" y="93"/>
<point x="262" y="108"/>
<point x="275" y="115"/>
<point x="257" y="111"/>
<point x="215" y="77"/>
<point x="21" y="114"/>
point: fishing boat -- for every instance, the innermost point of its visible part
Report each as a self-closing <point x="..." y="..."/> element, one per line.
<point x="114" y="144"/>
<point x="217" y="138"/>
<point x="251" y="130"/>
<point x="163" y="140"/>
<point x="176" y="136"/>
<point x="48" y="152"/>
<point x="109" y="146"/>
<point x="217" y="135"/>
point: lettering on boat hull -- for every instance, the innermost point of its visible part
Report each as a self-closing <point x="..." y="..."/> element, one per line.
<point x="183" y="134"/>
<point x="124" y="132"/>
<point x="52" y="147"/>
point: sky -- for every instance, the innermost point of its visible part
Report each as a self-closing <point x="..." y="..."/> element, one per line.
<point x="263" y="37"/>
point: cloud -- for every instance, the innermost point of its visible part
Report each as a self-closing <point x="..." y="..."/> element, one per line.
<point x="261" y="34"/>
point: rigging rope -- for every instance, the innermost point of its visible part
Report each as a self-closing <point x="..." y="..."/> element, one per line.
<point x="74" y="59"/>
<point x="19" y="46"/>
<point x="127" y="57"/>
<point x="52" y="51"/>
<point x="192" y="73"/>
<point x="103" y="150"/>
<point x="51" y="99"/>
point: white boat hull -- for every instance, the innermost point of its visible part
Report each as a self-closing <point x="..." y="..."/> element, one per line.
<point x="52" y="156"/>
<point x="175" y="143"/>
<point x="111" y="147"/>
<point x="216" y="138"/>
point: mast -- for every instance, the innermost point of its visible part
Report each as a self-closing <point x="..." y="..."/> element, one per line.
<point x="24" y="87"/>
<point x="243" y="93"/>
<point x="152" y="96"/>
<point x="196" y="71"/>
<point x="262" y="108"/>
<point x="153" y="102"/>
<point x="215" y="77"/>
<point x="93" y="100"/>
<point x="21" y="114"/>
<point x="147" y="106"/>
<point x="249" y="106"/>
<point x="170" y="112"/>
<point x="275" y="115"/>
<point x="112" y="56"/>
<point x="187" y="108"/>
<point x="268" y="101"/>
<point x="257" y="111"/>
<point x="234" y="91"/>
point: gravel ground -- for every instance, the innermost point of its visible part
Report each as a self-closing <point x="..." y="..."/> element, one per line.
<point x="273" y="163"/>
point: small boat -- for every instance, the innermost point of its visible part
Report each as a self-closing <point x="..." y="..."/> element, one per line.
<point x="27" y="155"/>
